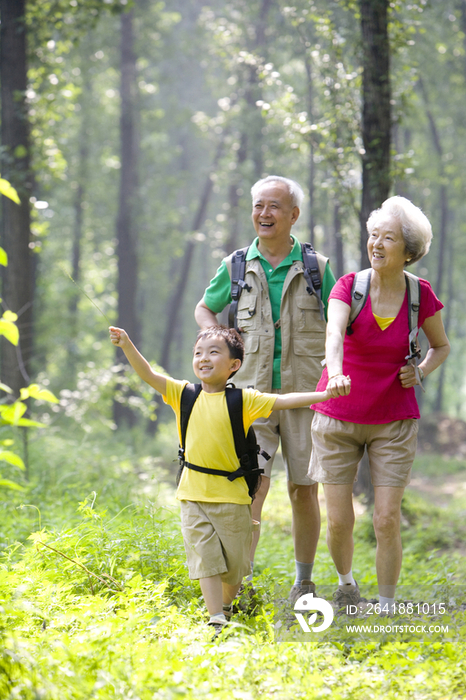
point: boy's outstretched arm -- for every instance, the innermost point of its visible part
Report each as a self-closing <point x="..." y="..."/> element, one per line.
<point x="119" y="337"/>
<point x="299" y="399"/>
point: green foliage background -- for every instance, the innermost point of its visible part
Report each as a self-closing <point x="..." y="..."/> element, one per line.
<point x="270" y="93"/>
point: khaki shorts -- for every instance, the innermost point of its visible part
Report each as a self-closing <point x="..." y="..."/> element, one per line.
<point x="292" y="428"/>
<point x="338" y="447"/>
<point x="217" y="538"/>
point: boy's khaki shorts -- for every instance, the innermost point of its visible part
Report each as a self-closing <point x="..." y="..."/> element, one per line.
<point x="293" y="429"/>
<point x="217" y="538"/>
<point x="338" y="447"/>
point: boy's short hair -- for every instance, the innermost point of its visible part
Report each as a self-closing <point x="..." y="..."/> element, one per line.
<point x="231" y="337"/>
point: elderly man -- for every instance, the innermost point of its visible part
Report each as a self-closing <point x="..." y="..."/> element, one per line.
<point x="284" y="334"/>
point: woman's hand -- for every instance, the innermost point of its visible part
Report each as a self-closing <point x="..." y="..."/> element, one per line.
<point x="407" y="376"/>
<point x="338" y="385"/>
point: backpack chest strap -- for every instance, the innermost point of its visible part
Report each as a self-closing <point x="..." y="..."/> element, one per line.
<point x="231" y="476"/>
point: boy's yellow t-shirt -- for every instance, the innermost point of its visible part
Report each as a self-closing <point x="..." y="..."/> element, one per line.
<point x="210" y="443"/>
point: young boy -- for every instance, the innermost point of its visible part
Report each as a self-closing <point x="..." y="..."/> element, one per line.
<point x="215" y="513"/>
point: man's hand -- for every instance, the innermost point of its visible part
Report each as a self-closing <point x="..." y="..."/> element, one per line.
<point x="339" y="385"/>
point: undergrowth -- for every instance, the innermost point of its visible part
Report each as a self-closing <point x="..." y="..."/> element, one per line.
<point x="96" y="601"/>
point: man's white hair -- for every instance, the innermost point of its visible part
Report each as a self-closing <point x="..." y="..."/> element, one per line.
<point x="415" y="226"/>
<point x="295" y="190"/>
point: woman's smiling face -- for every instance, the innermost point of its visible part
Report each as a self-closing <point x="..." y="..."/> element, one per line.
<point x="385" y="245"/>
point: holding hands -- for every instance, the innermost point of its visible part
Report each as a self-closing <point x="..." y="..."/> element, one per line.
<point x="338" y="385"/>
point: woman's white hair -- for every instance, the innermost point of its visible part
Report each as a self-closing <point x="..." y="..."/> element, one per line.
<point x="415" y="226"/>
<point x="295" y="190"/>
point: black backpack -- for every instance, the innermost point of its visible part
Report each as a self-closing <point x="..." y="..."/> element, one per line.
<point x="246" y="446"/>
<point x="238" y="272"/>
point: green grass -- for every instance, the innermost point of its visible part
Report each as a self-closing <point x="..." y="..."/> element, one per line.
<point x="96" y="601"/>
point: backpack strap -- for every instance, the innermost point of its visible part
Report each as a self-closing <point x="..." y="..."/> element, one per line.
<point x="238" y="271"/>
<point x="234" y="399"/>
<point x="188" y="399"/>
<point x="312" y="274"/>
<point x="414" y="292"/>
<point x="414" y="298"/>
<point x="189" y="396"/>
<point x="359" y="294"/>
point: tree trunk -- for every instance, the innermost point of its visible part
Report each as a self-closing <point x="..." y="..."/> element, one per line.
<point x="443" y="191"/>
<point x="78" y="200"/>
<point x="185" y="266"/>
<point x="234" y="197"/>
<point x="337" y="237"/>
<point x="126" y="225"/>
<point x="463" y="28"/>
<point x="438" y="403"/>
<point x="376" y="128"/>
<point x="311" y="173"/>
<point x="18" y="277"/>
<point x="376" y="113"/>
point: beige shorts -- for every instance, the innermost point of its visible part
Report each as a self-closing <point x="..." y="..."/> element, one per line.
<point x="217" y="538"/>
<point x="338" y="447"/>
<point x="292" y="428"/>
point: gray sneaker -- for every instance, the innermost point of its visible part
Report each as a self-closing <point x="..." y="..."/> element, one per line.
<point x="217" y="626"/>
<point x="346" y="595"/>
<point x="300" y="589"/>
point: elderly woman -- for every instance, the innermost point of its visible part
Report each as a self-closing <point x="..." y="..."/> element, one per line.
<point x="381" y="411"/>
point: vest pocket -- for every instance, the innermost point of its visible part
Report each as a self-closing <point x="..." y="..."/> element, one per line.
<point x="247" y="308"/>
<point x="251" y="344"/>
<point x="307" y="315"/>
<point x="308" y="353"/>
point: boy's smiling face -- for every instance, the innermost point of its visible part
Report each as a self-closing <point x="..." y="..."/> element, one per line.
<point x="212" y="363"/>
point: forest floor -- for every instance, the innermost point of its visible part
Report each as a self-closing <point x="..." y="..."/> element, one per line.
<point x="96" y="604"/>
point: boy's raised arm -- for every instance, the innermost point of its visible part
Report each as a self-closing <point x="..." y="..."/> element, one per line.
<point x="119" y="337"/>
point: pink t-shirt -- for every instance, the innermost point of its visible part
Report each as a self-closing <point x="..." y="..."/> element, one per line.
<point x="373" y="357"/>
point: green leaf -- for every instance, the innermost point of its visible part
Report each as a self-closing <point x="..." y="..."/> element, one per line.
<point x="9" y="191"/>
<point x="6" y="483"/>
<point x="35" y="392"/>
<point x="4" y="387"/>
<point x="12" y="458"/>
<point x="13" y="413"/>
<point x="3" y="257"/>
<point x="38" y="536"/>
<point x="9" y="330"/>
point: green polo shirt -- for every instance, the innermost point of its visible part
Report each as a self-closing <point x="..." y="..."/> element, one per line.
<point x="218" y="294"/>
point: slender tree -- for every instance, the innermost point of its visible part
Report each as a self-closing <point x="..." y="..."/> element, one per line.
<point x="443" y="189"/>
<point x="126" y="220"/>
<point x="376" y="128"/>
<point x="18" y="277"/>
<point x="376" y="111"/>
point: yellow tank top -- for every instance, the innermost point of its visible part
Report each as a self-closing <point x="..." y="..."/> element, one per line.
<point x="384" y="322"/>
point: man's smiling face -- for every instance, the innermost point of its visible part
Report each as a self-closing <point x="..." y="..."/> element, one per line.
<point x="273" y="213"/>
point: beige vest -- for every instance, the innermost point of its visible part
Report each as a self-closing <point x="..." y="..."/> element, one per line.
<point x="303" y="331"/>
